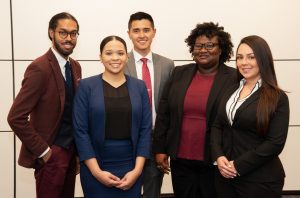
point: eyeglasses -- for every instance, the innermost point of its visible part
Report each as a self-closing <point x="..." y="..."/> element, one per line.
<point x="64" y="34"/>
<point x="207" y="46"/>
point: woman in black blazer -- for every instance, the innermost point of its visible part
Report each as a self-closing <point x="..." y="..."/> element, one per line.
<point x="251" y="127"/>
<point x="187" y="109"/>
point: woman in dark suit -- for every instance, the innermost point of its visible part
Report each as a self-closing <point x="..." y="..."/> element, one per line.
<point x="251" y="128"/>
<point x="187" y="109"/>
<point x="112" y="122"/>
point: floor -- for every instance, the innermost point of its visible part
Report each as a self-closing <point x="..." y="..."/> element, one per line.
<point x="283" y="196"/>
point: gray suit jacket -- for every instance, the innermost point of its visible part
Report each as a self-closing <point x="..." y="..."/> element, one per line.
<point x="162" y="70"/>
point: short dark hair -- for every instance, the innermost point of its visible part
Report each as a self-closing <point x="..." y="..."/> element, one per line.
<point x="54" y="21"/>
<point x="110" y="38"/>
<point x="210" y="30"/>
<point x="140" y="16"/>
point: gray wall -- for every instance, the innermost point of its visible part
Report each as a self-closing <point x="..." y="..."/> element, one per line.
<point x="24" y="37"/>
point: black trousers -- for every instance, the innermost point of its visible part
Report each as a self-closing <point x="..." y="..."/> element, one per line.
<point x="192" y="179"/>
<point x="239" y="188"/>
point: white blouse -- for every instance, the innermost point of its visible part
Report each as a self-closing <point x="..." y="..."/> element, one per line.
<point x="234" y="102"/>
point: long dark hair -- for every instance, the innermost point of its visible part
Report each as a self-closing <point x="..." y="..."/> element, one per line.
<point x="270" y="92"/>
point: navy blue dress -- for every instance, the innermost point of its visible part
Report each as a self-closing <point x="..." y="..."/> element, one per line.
<point x="119" y="161"/>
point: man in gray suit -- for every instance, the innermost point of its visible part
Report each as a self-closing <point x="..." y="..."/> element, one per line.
<point x="141" y="31"/>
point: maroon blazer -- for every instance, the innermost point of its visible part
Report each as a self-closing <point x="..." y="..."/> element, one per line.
<point x="37" y="110"/>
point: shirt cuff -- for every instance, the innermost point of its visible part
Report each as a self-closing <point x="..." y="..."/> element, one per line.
<point x="44" y="153"/>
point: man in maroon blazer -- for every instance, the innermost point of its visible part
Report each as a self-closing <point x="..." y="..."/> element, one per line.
<point x="41" y="115"/>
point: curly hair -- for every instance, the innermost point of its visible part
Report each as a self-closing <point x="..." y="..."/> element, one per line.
<point x="210" y="30"/>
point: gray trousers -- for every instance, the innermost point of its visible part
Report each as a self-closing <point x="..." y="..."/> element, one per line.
<point x="152" y="180"/>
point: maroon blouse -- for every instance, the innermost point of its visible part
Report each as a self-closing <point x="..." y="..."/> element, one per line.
<point x="193" y="128"/>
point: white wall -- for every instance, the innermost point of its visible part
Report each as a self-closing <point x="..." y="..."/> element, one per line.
<point x="276" y="21"/>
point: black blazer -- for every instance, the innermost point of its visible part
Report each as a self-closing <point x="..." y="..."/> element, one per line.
<point x="169" y="116"/>
<point x="255" y="156"/>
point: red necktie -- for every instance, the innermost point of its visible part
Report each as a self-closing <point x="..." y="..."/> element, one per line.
<point x="147" y="78"/>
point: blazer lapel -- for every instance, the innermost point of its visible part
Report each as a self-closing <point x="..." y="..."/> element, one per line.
<point x="134" y="101"/>
<point x="157" y="77"/>
<point x="218" y="84"/>
<point x="254" y="97"/>
<point x="226" y="97"/>
<point x="188" y="75"/>
<point x="58" y="77"/>
<point x="75" y="74"/>
<point x="130" y="68"/>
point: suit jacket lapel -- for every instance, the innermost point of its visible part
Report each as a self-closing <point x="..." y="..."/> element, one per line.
<point x="130" y="69"/>
<point x="100" y="94"/>
<point x="134" y="101"/>
<point x="218" y="84"/>
<point x="75" y="74"/>
<point x="157" y="77"/>
<point x="58" y="77"/>
<point x="254" y="97"/>
<point x="188" y="75"/>
<point x="228" y="93"/>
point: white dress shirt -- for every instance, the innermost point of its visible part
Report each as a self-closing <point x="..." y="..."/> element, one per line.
<point x="138" y="66"/>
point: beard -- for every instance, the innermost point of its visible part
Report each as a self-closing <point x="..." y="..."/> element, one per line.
<point x="61" y="50"/>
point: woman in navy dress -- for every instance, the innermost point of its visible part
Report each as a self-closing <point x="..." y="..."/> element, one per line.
<point x="112" y="122"/>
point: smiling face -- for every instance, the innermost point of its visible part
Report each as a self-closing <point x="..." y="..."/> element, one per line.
<point x="114" y="57"/>
<point x="246" y="63"/>
<point x="141" y="33"/>
<point x="64" y="46"/>
<point x="206" y="58"/>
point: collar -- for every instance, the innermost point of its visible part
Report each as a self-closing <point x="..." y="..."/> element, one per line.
<point x="258" y="83"/>
<point x="137" y="56"/>
<point x="61" y="60"/>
